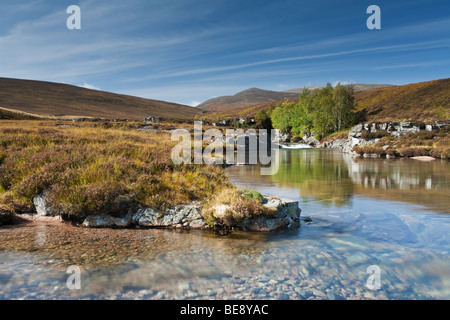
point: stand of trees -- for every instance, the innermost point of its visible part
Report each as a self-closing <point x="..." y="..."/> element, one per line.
<point x="321" y="112"/>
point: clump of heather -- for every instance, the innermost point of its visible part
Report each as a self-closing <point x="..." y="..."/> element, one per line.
<point x="232" y="206"/>
<point x="98" y="170"/>
<point x="435" y="144"/>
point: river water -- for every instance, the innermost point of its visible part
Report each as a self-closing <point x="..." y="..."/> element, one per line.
<point x="387" y="215"/>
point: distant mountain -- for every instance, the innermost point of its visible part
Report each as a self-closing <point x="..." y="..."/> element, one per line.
<point x="247" y="98"/>
<point x="254" y="96"/>
<point x="425" y="101"/>
<point x="24" y="99"/>
<point x="356" y="86"/>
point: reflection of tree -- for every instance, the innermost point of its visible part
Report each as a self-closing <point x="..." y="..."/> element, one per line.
<point x="322" y="178"/>
<point x="332" y="177"/>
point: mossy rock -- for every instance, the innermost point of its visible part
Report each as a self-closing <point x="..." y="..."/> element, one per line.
<point x="253" y="195"/>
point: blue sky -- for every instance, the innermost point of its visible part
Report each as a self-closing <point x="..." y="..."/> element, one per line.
<point x="188" y="51"/>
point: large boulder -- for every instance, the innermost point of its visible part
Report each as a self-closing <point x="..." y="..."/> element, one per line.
<point x="334" y="144"/>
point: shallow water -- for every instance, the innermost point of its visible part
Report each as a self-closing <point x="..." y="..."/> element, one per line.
<point x="389" y="213"/>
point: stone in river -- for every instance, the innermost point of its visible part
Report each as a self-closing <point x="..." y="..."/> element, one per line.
<point x="357" y="258"/>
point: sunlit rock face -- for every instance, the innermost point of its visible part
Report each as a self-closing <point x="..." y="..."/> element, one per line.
<point x="360" y="135"/>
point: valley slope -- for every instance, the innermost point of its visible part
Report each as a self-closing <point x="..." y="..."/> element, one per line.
<point x="33" y="99"/>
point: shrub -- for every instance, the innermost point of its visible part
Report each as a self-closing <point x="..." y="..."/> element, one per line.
<point x="369" y="149"/>
<point x="441" y="152"/>
<point x="17" y="203"/>
<point x="253" y="194"/>
<point x="414" y="151"/>
<point x="75" y="203"/>
<point x="366" y="135"/>
<point x="232" y="206"/>
<point x="423" y="143"/>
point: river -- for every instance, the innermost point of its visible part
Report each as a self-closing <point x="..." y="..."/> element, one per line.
<point x="389" y="213"/>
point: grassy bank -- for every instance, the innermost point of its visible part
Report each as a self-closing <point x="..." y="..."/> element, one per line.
<point x="87" y="170"/>
<point x="435" y="144"/>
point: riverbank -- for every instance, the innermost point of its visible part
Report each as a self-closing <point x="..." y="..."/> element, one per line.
<point x="115" y="175"/>
<point x="393" y="140"/>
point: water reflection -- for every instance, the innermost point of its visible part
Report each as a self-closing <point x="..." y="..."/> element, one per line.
<point x="334" y="178"/>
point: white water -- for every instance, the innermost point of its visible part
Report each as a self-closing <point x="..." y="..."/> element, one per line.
<point x="295" y="146"/>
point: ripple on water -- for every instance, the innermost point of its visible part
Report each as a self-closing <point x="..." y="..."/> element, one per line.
<point x="165" y="264"/>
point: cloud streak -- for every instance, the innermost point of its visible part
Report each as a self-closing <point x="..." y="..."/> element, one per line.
<point x="158" y="50"/>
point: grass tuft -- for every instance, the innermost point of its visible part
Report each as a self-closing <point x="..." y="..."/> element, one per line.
<point x="96" y="170"/>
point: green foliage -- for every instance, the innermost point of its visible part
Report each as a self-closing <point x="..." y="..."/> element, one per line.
<point x="281" y="117"/>
<point x="253" y="194"/>
<point x="263" y="120"/>
<point x="322" y="113"/>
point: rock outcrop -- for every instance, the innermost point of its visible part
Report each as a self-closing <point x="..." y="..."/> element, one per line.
<point x="369" y="133"/>
<point x="187" y="216"/>
<point x="311" y="141"/>
<point x="183" y="216"/>
<point x="287" y="216"/>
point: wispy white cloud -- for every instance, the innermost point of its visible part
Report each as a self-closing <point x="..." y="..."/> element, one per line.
<point x="384" y="49"/>
<point x="43" y="48"/>
<point x="156" y="49"/>
<point x="414" y="65"/>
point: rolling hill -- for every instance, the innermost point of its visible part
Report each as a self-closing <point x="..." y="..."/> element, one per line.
<point x="425" y="101"/>
<point x="29" y="99"/>
<point x="247" y="98"/>
<point x="254" y="96"/>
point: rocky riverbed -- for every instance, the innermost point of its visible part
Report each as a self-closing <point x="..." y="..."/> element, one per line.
<point x="176" y="264"/>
